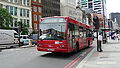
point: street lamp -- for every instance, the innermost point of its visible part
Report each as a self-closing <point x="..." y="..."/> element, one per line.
<point x="19" y="30"/>
<point x="104" y="36"/>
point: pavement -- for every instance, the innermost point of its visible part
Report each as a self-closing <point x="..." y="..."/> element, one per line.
<point x="109" y="58"/>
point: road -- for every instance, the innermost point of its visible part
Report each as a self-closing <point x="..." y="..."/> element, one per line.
<point x="31" y="58"/>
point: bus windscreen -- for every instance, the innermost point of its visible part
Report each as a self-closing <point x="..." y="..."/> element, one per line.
<point x="53" y="29"/>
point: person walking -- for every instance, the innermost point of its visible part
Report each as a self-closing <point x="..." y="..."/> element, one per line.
<point x="99" y="45"/>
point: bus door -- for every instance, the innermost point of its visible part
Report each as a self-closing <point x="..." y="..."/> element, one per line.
<point x="81" y="34"/>
<point x="84" y="37"/>
<point x="71" y="34"/>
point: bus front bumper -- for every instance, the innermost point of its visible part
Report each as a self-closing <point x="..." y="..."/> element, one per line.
<point x="59" y="50"/>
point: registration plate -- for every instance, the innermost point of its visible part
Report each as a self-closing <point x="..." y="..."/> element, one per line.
<point x="50" y="49"/>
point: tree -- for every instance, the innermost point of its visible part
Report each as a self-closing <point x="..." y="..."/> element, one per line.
<point x="24" y="29"/>
<point x="5" y="19"/>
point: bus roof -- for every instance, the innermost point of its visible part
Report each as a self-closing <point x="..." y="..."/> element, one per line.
<point x="71" y="20"/>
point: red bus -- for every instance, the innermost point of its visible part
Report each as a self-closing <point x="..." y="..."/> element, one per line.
<point x="63" y="34"/>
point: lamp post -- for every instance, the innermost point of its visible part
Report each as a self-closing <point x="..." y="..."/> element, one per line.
<point x="104" y="36"/>
<point x="19" y="30"/>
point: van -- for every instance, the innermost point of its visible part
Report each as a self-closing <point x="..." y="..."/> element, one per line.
<point x="7" y="38"/>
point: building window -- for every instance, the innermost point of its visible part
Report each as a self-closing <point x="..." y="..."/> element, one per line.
<point x="28" y="23"/>
<point x="89" y="0"/>
<point x="25" y="2"/>
<point x="13" y="1"/>
<point x="25" y="22"/>
<point x="27" y="13"/>
<point x="35" y="17"/>
<point x="12" y="10"/>
<point x="39" y="9"/>
<point x="15" y="11"/>
<point x="21" y="12"/>
<point x="24" y="12"/>
<point x="90" y="5"/>
<point x="35" y="26"/>
<point x="34" y="8"/>
<point x="39" y="1"/>
<point x="34" y="0"/>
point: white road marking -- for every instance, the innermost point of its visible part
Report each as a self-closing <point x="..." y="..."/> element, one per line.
<point x="106" y="62"/>
<point x="80" y="65"/>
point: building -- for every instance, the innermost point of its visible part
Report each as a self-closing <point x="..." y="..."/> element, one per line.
<point x="20" y="11"/>
<point x="36" y="13"/>
<point x="95" y="5"/>
<point x="68" y="8"/>
<point x="110" y="24"/>
<point x="115" y="17"/>
<point x="50" y="8"/>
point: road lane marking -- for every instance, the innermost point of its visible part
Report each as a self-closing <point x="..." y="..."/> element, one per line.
<point x="80" y="65"/>
<point x="74" y="63"/>
<point x="106" y="62"/>
<point x="71" y="62"/>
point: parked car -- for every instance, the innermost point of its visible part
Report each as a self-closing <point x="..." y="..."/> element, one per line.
<point x="26" y="40"/>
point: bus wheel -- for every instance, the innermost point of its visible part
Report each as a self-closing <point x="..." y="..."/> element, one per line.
<point x="89" y="43"/>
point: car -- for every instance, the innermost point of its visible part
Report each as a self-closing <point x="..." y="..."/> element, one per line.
<point x="26" y="40"/>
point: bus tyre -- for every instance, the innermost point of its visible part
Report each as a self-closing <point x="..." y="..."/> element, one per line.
<point x="89" y="43"/>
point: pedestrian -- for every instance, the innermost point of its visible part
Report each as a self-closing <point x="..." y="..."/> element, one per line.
<point x="99" y="45"/>
<point x="113" y="35"/>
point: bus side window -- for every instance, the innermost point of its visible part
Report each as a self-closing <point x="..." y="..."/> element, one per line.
<point x="71" y="30"/>
<point x="71" y="26"/>
<point x="80" y="32"/>
<point x="77" y="31"/>
<point x="88" y="34"/>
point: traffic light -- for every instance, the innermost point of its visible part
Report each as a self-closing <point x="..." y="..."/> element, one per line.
<point x="96" y="22"/>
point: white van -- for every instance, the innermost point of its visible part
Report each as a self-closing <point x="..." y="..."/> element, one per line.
<point x="7" y="38"/>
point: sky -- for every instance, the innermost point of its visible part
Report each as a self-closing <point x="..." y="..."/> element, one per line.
<point x="112" y="6"/>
